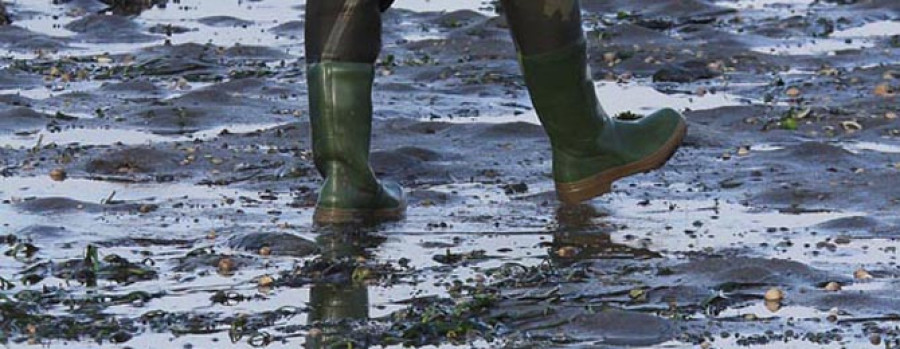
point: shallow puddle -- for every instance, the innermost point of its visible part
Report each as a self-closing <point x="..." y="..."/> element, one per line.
<point x="778" y="5"/>
<point x="479" y="219"/>
<point x="102" y="136"/>
<point x="874" y="29"/>
<point x="824" y="46"/>
<point x="444" y="5"/>
<point x="616" y="98"/>
<point x="888" y="148"/>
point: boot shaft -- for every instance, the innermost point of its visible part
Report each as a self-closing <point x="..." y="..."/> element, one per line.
<point x="563" y="94"/>
<point x="340" y="105"/>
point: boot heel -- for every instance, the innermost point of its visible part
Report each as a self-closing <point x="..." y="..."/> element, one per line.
<point x="337" y="216"/>
<point x="591" y="187"/>
<point x="577" y="192"/>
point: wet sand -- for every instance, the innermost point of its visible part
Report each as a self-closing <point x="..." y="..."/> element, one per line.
<point x="157" y="184"/>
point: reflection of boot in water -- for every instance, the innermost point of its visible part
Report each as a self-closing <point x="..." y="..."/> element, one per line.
<point x="582" y="234"/>
<point x="334" y="304"/>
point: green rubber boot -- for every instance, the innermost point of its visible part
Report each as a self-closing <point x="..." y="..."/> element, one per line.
<point x="590" y="149"/>
<point x="340" y="104"/>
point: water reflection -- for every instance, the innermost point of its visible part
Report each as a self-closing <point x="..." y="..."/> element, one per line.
<point x="343" y="301"/>
<point x="583" y="234"/>
<point x="132" y="7"/>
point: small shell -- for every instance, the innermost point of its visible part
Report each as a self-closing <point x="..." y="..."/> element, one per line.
<point x="883" y="90"/>
<point x="567" y="252"/>
<point x="265" y="281"/>
<point x="774" y="294"/>
<point x="226" y="265"/>
<point x="851" y="126"/>
<point x="793" y="92"/>
<point x="58" y="175"/>
<point x="862" y="274"/>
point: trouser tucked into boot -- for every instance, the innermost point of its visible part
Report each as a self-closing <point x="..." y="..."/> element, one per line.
<point x="342" y="43"/>
<point x="590" y="149"/>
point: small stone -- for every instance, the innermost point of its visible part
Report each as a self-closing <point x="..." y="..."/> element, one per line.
<point x="890" y="115"/>
<point x="226" y="265"/>
<point x="773" y="306"/>
<point x="637" y="294"/>
<point x="265" y="251"/>
<point x="833" y="287"/>
<point x="701" y="91"/>
<point x="181" y="84"/>
<point x="743" y="151"/>
<point x="883" y="90"/>
<point x="793" y="92"/>
<point x="862" y="274"/>
<point x="610" y="57"/>
<point x="774" y="294"/>
<point x="875" y="339"/>
<point x="265" y="281"/>
<point x="567" y="252"/>
<point x="211" y="235"/>
<point x="146" y="208"/>
<point x="58" y="174"/>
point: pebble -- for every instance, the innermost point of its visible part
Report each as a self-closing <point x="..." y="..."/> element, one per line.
<point x="226" y="265"/>
<point x="883" y="90"/>
<point x="793" y="92"/>
<point x="265" y="281"/>
<point x="774" y="294"/>
<point x="58" y="175"/>
<point x="567" y="252"/>
<point x="875" y="339"/>
<point x="833" y="286"/>
<point x="862" y="274"/>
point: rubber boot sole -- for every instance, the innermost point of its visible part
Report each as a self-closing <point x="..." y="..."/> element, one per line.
<point x="331" y="216"/>
<point x="601" y="183"/>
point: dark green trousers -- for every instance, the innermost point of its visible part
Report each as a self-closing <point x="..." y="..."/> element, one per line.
<point x="350" y="30"/>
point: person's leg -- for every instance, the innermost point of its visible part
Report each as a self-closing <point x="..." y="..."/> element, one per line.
<point x="343" y="39"/>
<point x="590" y="150"/>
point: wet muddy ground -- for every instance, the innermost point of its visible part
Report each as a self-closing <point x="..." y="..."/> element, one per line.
<point x="157" y="187"/>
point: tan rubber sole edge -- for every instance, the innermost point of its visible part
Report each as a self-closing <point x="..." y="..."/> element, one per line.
<point x="601" y="183"/>
<point x="324" y="216"/>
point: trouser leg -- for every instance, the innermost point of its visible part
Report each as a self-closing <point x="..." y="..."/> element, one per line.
<point x="590" y="150"/>
<point x="343" y="39"/>
<point x="540" y="26"/>
<point x="343" y="31"/>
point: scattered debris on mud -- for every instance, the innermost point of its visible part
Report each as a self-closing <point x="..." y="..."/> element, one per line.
<point x="156" y="182"/>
